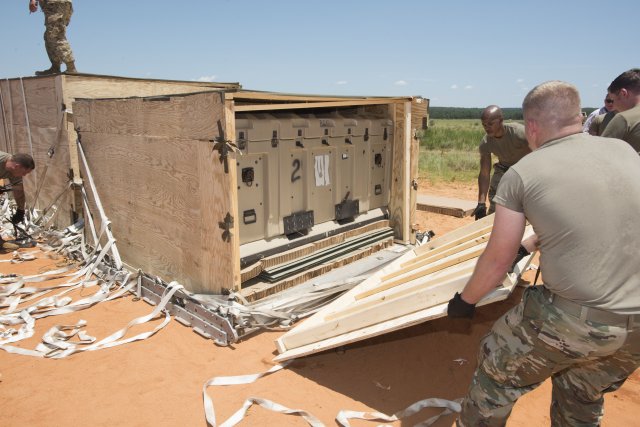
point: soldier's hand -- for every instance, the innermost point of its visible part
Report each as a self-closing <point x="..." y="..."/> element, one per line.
<point x="480" y="211"/>
<point x="460" y="308"/>
<point x="17" y="217"/>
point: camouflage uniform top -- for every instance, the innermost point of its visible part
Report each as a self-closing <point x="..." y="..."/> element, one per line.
<point x="586" y="218"/>
<point x="4" y="173"/>
<point x="510" y="148"/>
<point x="54" y="1"/>
<point x="626" y="126"/>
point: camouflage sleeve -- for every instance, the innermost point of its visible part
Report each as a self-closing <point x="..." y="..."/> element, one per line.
<point x="18" y="192"/>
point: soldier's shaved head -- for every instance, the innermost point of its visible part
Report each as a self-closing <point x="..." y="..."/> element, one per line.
<point x="491" y="112"/>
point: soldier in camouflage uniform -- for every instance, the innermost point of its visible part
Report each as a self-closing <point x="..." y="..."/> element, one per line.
<point x="582" y="327"/>
<point x="57" y="14"/>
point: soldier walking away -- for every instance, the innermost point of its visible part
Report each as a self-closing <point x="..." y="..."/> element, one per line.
<point x="508" y="143"/>
<point x="57" y="14"/>
<point x="582" y="326"/>
<point x="14" y="168"/>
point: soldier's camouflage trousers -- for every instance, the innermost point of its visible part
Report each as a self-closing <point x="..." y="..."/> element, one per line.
<point x="56" y="18"/>
<point x="536" y="340"/>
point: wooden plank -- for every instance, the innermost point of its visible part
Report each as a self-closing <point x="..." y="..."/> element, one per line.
<point x="273" y="96"/>
<point x="463" y="233"/>
<point x="439" y="266"/>
<point x="448" y="249"/>
<point x="306" y="105"/>
<point x="419" y="108"/>
<point x="445" y="205"/>
<point x="226" y="188"/>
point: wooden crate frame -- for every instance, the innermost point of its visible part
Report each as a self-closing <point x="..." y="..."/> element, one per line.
<point x="102" y="105"/>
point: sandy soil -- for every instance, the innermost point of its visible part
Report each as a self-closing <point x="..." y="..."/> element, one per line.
<point x="158" y="382"/>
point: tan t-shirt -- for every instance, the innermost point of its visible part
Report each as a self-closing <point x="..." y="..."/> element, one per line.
<point x="581" y="193"/>
<point x="510" y="148"/>
<point x="625" y="126"/>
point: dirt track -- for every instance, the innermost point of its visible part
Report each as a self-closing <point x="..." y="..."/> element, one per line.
<point x="158" y="382"/>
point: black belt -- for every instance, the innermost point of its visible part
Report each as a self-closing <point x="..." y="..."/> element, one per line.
<point x="501" y="167"/>
<point x="590" y="313"/>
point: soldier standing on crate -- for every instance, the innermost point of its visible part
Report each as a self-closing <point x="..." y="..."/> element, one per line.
<point x="57" y="14"/>
<point x="582" y="326"/>
<point x="508" y="143"/>
<point x="14" y="168"/>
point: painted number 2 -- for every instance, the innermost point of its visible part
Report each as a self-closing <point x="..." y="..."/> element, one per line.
<point x="296" y="168"/>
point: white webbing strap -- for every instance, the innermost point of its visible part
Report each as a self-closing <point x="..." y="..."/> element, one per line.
<point x="56" y="344"/>
<point x="450" y="406"/>
<point x="210" y="414"/>
<point x="343" y="417"/>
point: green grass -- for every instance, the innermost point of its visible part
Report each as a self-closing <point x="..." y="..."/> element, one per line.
<point x="449" y="150"/>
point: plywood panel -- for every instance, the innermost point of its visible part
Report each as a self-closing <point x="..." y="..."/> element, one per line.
<point x="174" y="117"/>
<point x="165" y="196"/>
<point x="96" y="86"/>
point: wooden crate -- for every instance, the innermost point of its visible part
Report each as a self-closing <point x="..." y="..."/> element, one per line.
<point x="149" y="146"/>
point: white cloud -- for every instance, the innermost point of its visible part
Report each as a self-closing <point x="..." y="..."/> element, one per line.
<point x="468" y="87"/>
<point x="519" y="80"/>
<point x="206" y="79"/>
<point x="454" y="87"/>
<point x="342" y="82"/>
<point x="400" y="83"/>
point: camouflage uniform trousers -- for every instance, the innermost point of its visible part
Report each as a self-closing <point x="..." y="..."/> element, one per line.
<point x="57" y="16"/>
<point x="536" y="340"/>
<point x="498" y="172"/>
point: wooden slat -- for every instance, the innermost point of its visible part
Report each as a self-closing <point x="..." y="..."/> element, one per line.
<point x="306" y="105"/>
<point x="445" y="250"/>
<point x="420" y="273"/>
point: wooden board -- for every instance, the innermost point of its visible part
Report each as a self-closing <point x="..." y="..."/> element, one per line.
<point x="165" y="195"/>
<point x="445" y="205"/>
<point x="372" y="308"/>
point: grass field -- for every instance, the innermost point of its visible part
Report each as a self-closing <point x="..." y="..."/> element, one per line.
<point x="449" y="150"/>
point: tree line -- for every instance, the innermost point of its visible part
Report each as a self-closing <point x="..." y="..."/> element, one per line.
<point x="474" y="113"/>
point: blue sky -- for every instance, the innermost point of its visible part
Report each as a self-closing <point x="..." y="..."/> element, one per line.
<point x="457" y="53"/>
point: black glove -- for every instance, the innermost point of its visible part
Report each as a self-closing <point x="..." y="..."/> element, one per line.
<point x="480" y="211"/>
<point x="522" y="252"/>
<point x="17" y="217"/>
<point x="460" y="308"/>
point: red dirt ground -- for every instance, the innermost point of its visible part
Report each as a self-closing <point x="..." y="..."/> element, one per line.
<point x="158" y="382"/>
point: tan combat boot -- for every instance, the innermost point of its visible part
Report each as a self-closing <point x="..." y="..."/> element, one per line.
<point x="55" y="69"/>
<point x="71" y="67"/>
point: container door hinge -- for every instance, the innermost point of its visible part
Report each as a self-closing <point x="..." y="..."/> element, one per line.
<point x="224" y="147"/>
<point x="226" y="225"/>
